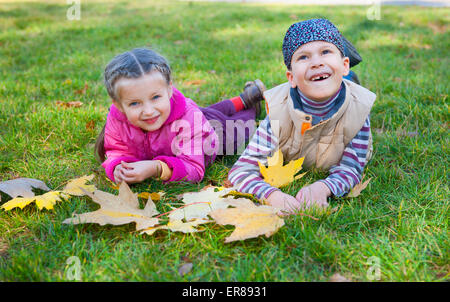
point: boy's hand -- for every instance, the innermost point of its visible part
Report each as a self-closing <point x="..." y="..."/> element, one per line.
<point x="315" y="194"/>
<point x="137" y="171"/>
<point x="285" y="202"/>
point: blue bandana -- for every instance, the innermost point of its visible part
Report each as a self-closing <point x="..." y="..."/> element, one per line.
<point x="308" y="31"/>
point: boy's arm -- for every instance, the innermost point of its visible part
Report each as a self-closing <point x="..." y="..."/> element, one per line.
<point x="245" y="174"/>
<point x="344" y="176"/>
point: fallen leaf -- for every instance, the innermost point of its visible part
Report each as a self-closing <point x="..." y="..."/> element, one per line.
<point x="358" y="188"/>
<point x="194" y="82"/>
<point x="49" y="199"/>
<point x="185" y="268"/>
<point x="339" y="278"/>
<point x="155" y="196"/>
<point x="177" y="225"/>
<point x="250" y="221"/>
<point x="118" y="209"/>
<point x="83" y="90"/>
<point x="75" y="186"/>
<point x="22" y="187"/>
<point x="227" y="184"/>
<point x="46" y="201"/>
<point x="90" y="125"/>
<point x="278" y="175"/>
<point x="69" y="104"/>
<point x="200" y="204"/>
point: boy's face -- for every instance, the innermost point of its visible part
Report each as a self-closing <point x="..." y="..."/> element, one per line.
<point x="317" y="69"/>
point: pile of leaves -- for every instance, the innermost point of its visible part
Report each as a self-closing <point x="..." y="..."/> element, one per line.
<point x="219" y="205"/>
<point x="212" y="204"/>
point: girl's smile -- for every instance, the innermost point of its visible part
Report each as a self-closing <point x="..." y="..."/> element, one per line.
<point x="145" y="100"/>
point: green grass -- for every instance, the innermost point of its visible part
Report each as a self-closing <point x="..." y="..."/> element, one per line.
<point x="401" y="218"/>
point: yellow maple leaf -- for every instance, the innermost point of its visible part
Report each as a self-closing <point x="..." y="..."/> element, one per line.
<point x="359" y="187"/>
<point x="18" y="202"/>
<point x="49" y="199"/>
<point x="250" y="220"/>
<point x="73" y="187"/>
<point x="118" y="209"/>
<point x="278" y="175"/>
<point x="155" y="196"/>
<point x="44" y="201"/>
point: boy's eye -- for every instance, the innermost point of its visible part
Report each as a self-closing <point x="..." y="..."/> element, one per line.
<point x="302" y="57"/>
<point x="326" y="51"/>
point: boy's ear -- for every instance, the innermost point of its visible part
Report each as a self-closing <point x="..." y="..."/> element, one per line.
<point x="346" y="62"/>
<point x="290" y="78"/>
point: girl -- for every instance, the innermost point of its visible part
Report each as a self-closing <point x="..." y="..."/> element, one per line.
<point x="153" y="130"/>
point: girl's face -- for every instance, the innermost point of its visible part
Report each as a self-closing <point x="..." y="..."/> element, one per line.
<point x="317" y="69"/>
<point x="145" y="101"/>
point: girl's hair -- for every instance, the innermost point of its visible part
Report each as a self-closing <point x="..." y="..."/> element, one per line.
<point x="130" y="65"/>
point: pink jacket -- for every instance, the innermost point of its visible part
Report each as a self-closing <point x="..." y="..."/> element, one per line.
<point x="186" y="142"/>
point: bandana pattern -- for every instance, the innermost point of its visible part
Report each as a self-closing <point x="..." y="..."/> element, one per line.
<point x="308" y="31"/>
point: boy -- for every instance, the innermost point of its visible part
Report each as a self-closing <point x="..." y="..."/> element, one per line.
<point x="317" y="115"/>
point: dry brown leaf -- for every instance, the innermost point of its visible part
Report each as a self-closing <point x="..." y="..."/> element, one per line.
<point x="22" y="187"/>
<point x="90" y="125"/>
<point x="194" y="82"/>
<point x="177" y="226"/>
<point x="356" y="191"/>
<point x="74" y="104"/>
<point x="200" y="204"/>
<point x="118" y="209"/>
<point x="278" y="175"/>
<point x="83" y="90"/>
<point x="250" y="221"/>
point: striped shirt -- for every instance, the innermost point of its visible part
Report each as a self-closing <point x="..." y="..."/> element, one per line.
<point x="245" y="174"/>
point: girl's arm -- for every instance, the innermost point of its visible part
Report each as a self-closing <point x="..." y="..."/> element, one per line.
<point x="188" y="160"/>
<point x="116" y="151"/>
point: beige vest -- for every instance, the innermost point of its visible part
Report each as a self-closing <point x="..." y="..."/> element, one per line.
<point x="323" y="144"/>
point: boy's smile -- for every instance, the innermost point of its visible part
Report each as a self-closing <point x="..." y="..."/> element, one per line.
<point x="145" y="101"/>
<point x="317" y="69"/>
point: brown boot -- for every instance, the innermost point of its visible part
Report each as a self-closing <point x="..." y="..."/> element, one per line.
<point x="253" y="95"/>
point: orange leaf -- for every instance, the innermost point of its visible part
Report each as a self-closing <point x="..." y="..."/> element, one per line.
<point x="69" y="104"/>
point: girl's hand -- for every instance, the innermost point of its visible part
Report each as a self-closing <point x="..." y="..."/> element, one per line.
<point x="314" y="195"/>
<point x="285" y="202"/>
<point x="137" y="171"/>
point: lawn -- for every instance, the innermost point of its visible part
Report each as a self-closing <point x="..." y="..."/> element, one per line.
<point x="399" y="222"/>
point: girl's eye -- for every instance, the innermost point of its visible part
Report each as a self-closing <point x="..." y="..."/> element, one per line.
<point x="155" y="97"/>
<point x="133" y="104"/>
<point x="326" y="51"/>
<point x="303" y="57"/>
